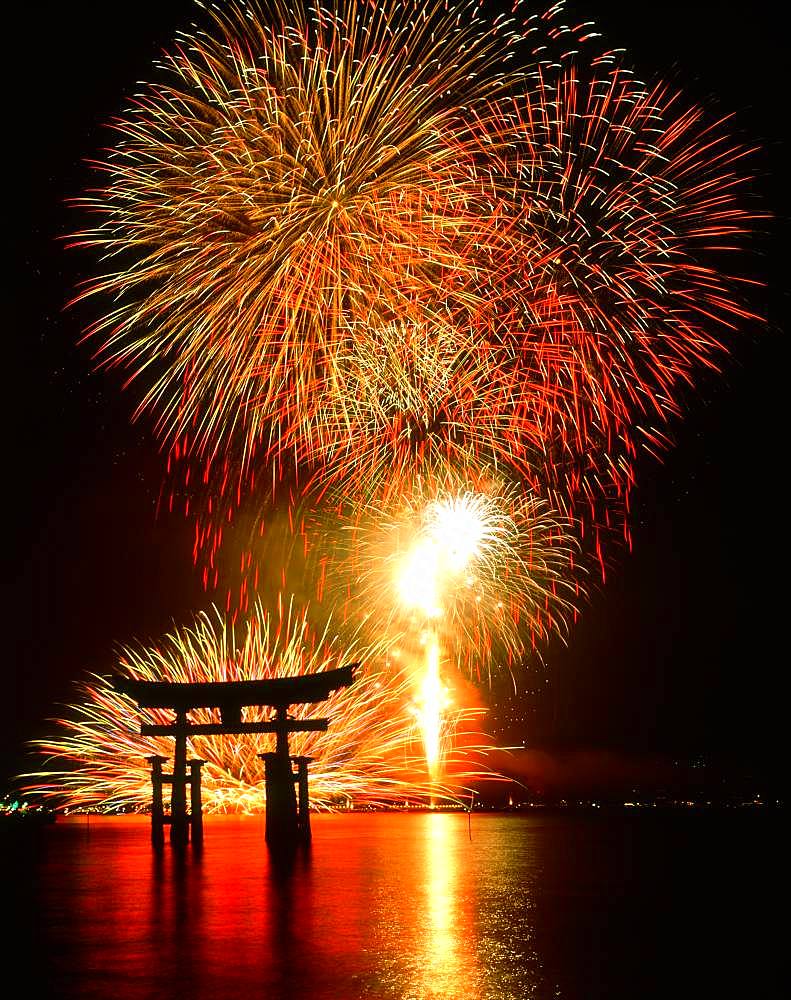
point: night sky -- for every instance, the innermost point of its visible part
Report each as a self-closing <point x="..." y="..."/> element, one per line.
<point x="681" y="653"/>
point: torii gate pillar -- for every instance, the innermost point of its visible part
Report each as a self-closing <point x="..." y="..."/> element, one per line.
<point x="283" y="827"/>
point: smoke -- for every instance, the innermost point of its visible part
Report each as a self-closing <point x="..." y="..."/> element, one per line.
<point x="599" y="772"/>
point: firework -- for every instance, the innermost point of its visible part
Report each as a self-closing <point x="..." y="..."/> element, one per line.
<point x="487" y="568"/>
<point x="354" y="259"/>
<point x="355" y="244"/>
<point x="371" y="753"/>
<point x="617" y="204"/>
<point x="463" y="577"/>
<point x="291" y="191"/>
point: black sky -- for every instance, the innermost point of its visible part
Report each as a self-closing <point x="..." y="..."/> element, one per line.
<point x="682" y="652"/>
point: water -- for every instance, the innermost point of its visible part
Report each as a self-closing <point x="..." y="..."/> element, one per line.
<point x="585" y="906"/>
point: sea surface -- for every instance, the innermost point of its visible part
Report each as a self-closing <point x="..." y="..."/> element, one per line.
<point x="622" y="906"/>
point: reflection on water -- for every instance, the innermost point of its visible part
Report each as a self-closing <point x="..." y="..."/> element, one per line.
<point x="448" y="964"/>
<point x="399" y="907"/>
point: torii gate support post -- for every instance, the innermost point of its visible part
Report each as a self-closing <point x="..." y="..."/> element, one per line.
<point x="282" y="828"/>
<point x="179" y="827"/>
<point x="196" y="804"/>
<point x="157" y="808"/>
<point x="303" y="813"/>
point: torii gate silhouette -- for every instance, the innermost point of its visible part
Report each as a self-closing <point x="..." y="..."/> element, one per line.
<point x="287" y="820"/>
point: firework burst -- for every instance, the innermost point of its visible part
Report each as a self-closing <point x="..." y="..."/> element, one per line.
<point x="294" y="175"/>
<point x="489" y="569"/>
<point x="354" y="246"/>
<point x="371" y="752"/>
<point x="616" y="206"/>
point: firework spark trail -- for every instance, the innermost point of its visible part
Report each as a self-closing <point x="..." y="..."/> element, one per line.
<point x="371" y="752"/>
<point x="431" y="705"/>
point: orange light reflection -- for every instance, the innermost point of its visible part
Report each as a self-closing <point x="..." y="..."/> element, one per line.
<point x="449" y="968"/>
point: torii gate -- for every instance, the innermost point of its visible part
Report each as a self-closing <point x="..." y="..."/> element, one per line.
<point x="287" y="821"/>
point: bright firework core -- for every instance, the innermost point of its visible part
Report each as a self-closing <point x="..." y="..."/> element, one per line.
<point x="457" y="533"/>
